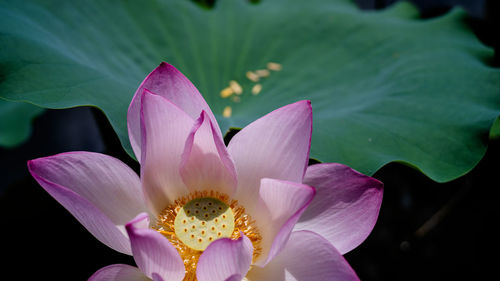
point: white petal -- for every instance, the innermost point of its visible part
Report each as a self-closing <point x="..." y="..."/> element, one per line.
<point x="165" y="129"/>
<point x="274" y="146"/>
<point x="99" y="190"/>
<point x="206" y="165"/>
<point x="153" y="253"/>
<point x="306" y="257"/>
<point x="280" y="205"/>
<point x="346" y="206"/>
<point x="171" y="84"/>
<point x="225" y="258"/>
<point x="119" y="272"/>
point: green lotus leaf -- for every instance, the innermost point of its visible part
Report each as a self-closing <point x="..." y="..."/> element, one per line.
<point x="15" y="122"/>
<point x="385" y="86"/>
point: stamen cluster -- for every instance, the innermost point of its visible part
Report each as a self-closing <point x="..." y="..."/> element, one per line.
<point x="194" y="221"/>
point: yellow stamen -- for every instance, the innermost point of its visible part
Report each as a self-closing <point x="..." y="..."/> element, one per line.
<point x="191" y="233"/>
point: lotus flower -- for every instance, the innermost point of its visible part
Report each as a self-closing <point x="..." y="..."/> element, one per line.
<point x="202" y="211"/>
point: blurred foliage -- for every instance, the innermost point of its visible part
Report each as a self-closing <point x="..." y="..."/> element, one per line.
<point x="15" y="122"/>
<point x="495" y="130"/>
<point x="385" y="86"/>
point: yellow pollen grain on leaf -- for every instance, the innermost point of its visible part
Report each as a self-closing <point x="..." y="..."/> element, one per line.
<point x="262" y="72"/>
<point x="236" y="99"/>
<point x="256" y="89"/>
<point x="227" y="111"/>
<point x="274" y="66"/>
<point x="235" y="86"/>
<point x="252" y="76"/>
<point x="226" y="92"/>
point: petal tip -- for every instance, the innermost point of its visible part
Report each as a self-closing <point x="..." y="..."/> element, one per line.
<point x="165" y="68"/>
<point x="165" y="65"/>
<point x="306" y="103"/>
<point x="30" y="163"/>
<point x="131" y="225"/>
<point x="32" y="167"/>
<point x="146" y="92"/>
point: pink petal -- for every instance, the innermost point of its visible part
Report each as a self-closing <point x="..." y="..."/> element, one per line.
<point x="274" y="146"/>
<point x="99" y="190"/>
<point x="235" y="277"/>
<point x="346" y="207"/>
<point x="157" y="277"/>
<point x="280" y="206"/>
<point x="171" y="84"/>
<point x="104" y="181"/>
<point x="153" y="253"/>
<point x="88" y="215"/>
<point x="225" y="258"/>
<point x="165" y="128"/>
<point x="118" y="272"/>
<point x="306" y="257"/>
<point x="206" y="165"/>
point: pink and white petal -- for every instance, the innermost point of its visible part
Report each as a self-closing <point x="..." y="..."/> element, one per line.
<point x="153" y="253"/>
<point x="274" y="146"/>
<point x="206" y="165"/>
<point x="104" y="181"/>
<point x="119" y="272"/>
<point x="93" y="219"/>
<point x="171" y="84"/>
<point x="165" y="128"/>
<point x="157" y="277"/>
<point x="280" y="205"/>
<point x="306" y="257"/>
<point x="235" y="277"/>
<point x="346" y="207"/>
<point x="225" y="258"/>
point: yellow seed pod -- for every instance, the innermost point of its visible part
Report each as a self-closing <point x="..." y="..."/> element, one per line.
<point x="213" y="219"/>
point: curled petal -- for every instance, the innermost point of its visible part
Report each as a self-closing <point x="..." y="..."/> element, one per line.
<point x="99" y="190"/>
<point x="118" y="272"/>
<point x="235" y="277"/>
<point x="171" y="84"/>
<point x="274" y="146"/>
<point x="206" y="165"/>
<point x="104" y="181"/>
<point x="306" y="257"/>
<point x="346" y="207"/>
<point x="165" y="128"/>
<point x="224" y="259"/>
<point x="280" y="206"/>
<point x="153" y="253"/>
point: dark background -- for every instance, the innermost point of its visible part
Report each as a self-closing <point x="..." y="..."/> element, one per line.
<point x="425" y="231"/>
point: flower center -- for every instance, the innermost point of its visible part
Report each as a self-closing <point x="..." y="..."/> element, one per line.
<point x="194" y="221"/>
<point x="203" y="220"/>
